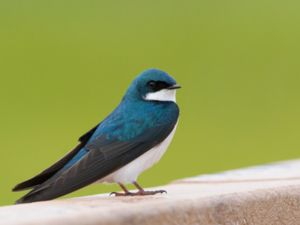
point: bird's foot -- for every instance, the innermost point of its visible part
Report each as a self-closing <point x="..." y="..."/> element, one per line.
<point x="142" y="193"/>
<point x="118" y="194"/>
<point x="139" y="193"/>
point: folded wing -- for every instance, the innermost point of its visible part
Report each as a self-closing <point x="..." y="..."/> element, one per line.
<point x="104" y="156"/>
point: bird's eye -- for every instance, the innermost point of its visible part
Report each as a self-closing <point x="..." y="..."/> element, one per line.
<point x="157" y="85"/>
<point x="152" y="84"/>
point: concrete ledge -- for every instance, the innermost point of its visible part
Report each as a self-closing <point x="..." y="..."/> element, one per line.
<point x="265" y="195"/>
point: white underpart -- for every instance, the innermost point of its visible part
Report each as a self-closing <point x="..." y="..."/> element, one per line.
<point x="131" y="171"/>
<point x="162" y="95"/>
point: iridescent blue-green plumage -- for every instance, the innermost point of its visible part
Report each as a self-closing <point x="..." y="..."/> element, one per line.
<point x="132" y="129"/>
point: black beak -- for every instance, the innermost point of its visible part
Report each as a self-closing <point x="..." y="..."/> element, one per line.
<point x="175" y="86"/>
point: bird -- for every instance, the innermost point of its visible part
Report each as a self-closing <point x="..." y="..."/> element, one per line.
<point x="117" y="150"/>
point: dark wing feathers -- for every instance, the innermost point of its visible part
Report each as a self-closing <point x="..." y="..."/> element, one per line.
<point x="49" y="172"/>
<point x="103" y="158"/>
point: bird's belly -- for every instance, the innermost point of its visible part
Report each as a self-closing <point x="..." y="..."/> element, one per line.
<point x="131" y="171"/>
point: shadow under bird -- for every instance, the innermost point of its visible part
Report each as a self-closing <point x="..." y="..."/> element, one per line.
<point x="129" y="141"/>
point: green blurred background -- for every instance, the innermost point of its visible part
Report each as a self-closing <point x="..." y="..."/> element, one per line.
<point x="65" y="64"/>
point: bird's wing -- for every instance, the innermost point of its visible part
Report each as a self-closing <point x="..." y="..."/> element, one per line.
<point x="49" y="172"/>
<point x="104" y="157"/>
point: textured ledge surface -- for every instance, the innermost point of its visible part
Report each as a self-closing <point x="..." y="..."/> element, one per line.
<point x="263" y="195"/>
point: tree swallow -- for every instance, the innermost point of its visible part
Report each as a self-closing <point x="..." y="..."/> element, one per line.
<point x="130" y="140"/>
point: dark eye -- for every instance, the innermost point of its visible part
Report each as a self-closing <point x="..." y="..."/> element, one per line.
<point x="157" y="85"/>
<point x="152" y="84"/>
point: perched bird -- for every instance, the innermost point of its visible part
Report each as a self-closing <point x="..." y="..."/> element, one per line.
<point x="130" y="140"/>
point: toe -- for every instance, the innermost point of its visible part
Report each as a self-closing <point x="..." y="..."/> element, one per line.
<point x="113" y="193"/>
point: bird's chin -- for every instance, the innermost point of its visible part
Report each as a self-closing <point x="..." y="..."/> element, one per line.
<point x="165" y="95"/>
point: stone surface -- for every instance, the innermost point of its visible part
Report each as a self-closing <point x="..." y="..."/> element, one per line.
<point x="264" y="195"/>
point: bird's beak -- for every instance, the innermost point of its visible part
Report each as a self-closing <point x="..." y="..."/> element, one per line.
<point x="175" y="86"/>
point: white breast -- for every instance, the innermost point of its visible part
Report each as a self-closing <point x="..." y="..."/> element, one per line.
<point x="131" y="171"/>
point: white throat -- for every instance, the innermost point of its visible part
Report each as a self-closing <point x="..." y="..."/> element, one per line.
<point x="165" y="95"/>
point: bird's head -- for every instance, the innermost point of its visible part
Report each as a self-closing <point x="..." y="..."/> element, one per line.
<point x="153" y="85"/>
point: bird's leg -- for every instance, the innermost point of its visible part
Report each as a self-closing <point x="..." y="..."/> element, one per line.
<point x="126" y="192"/>
<point x="143" y="192"/>
<point x="140" y="192"/>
